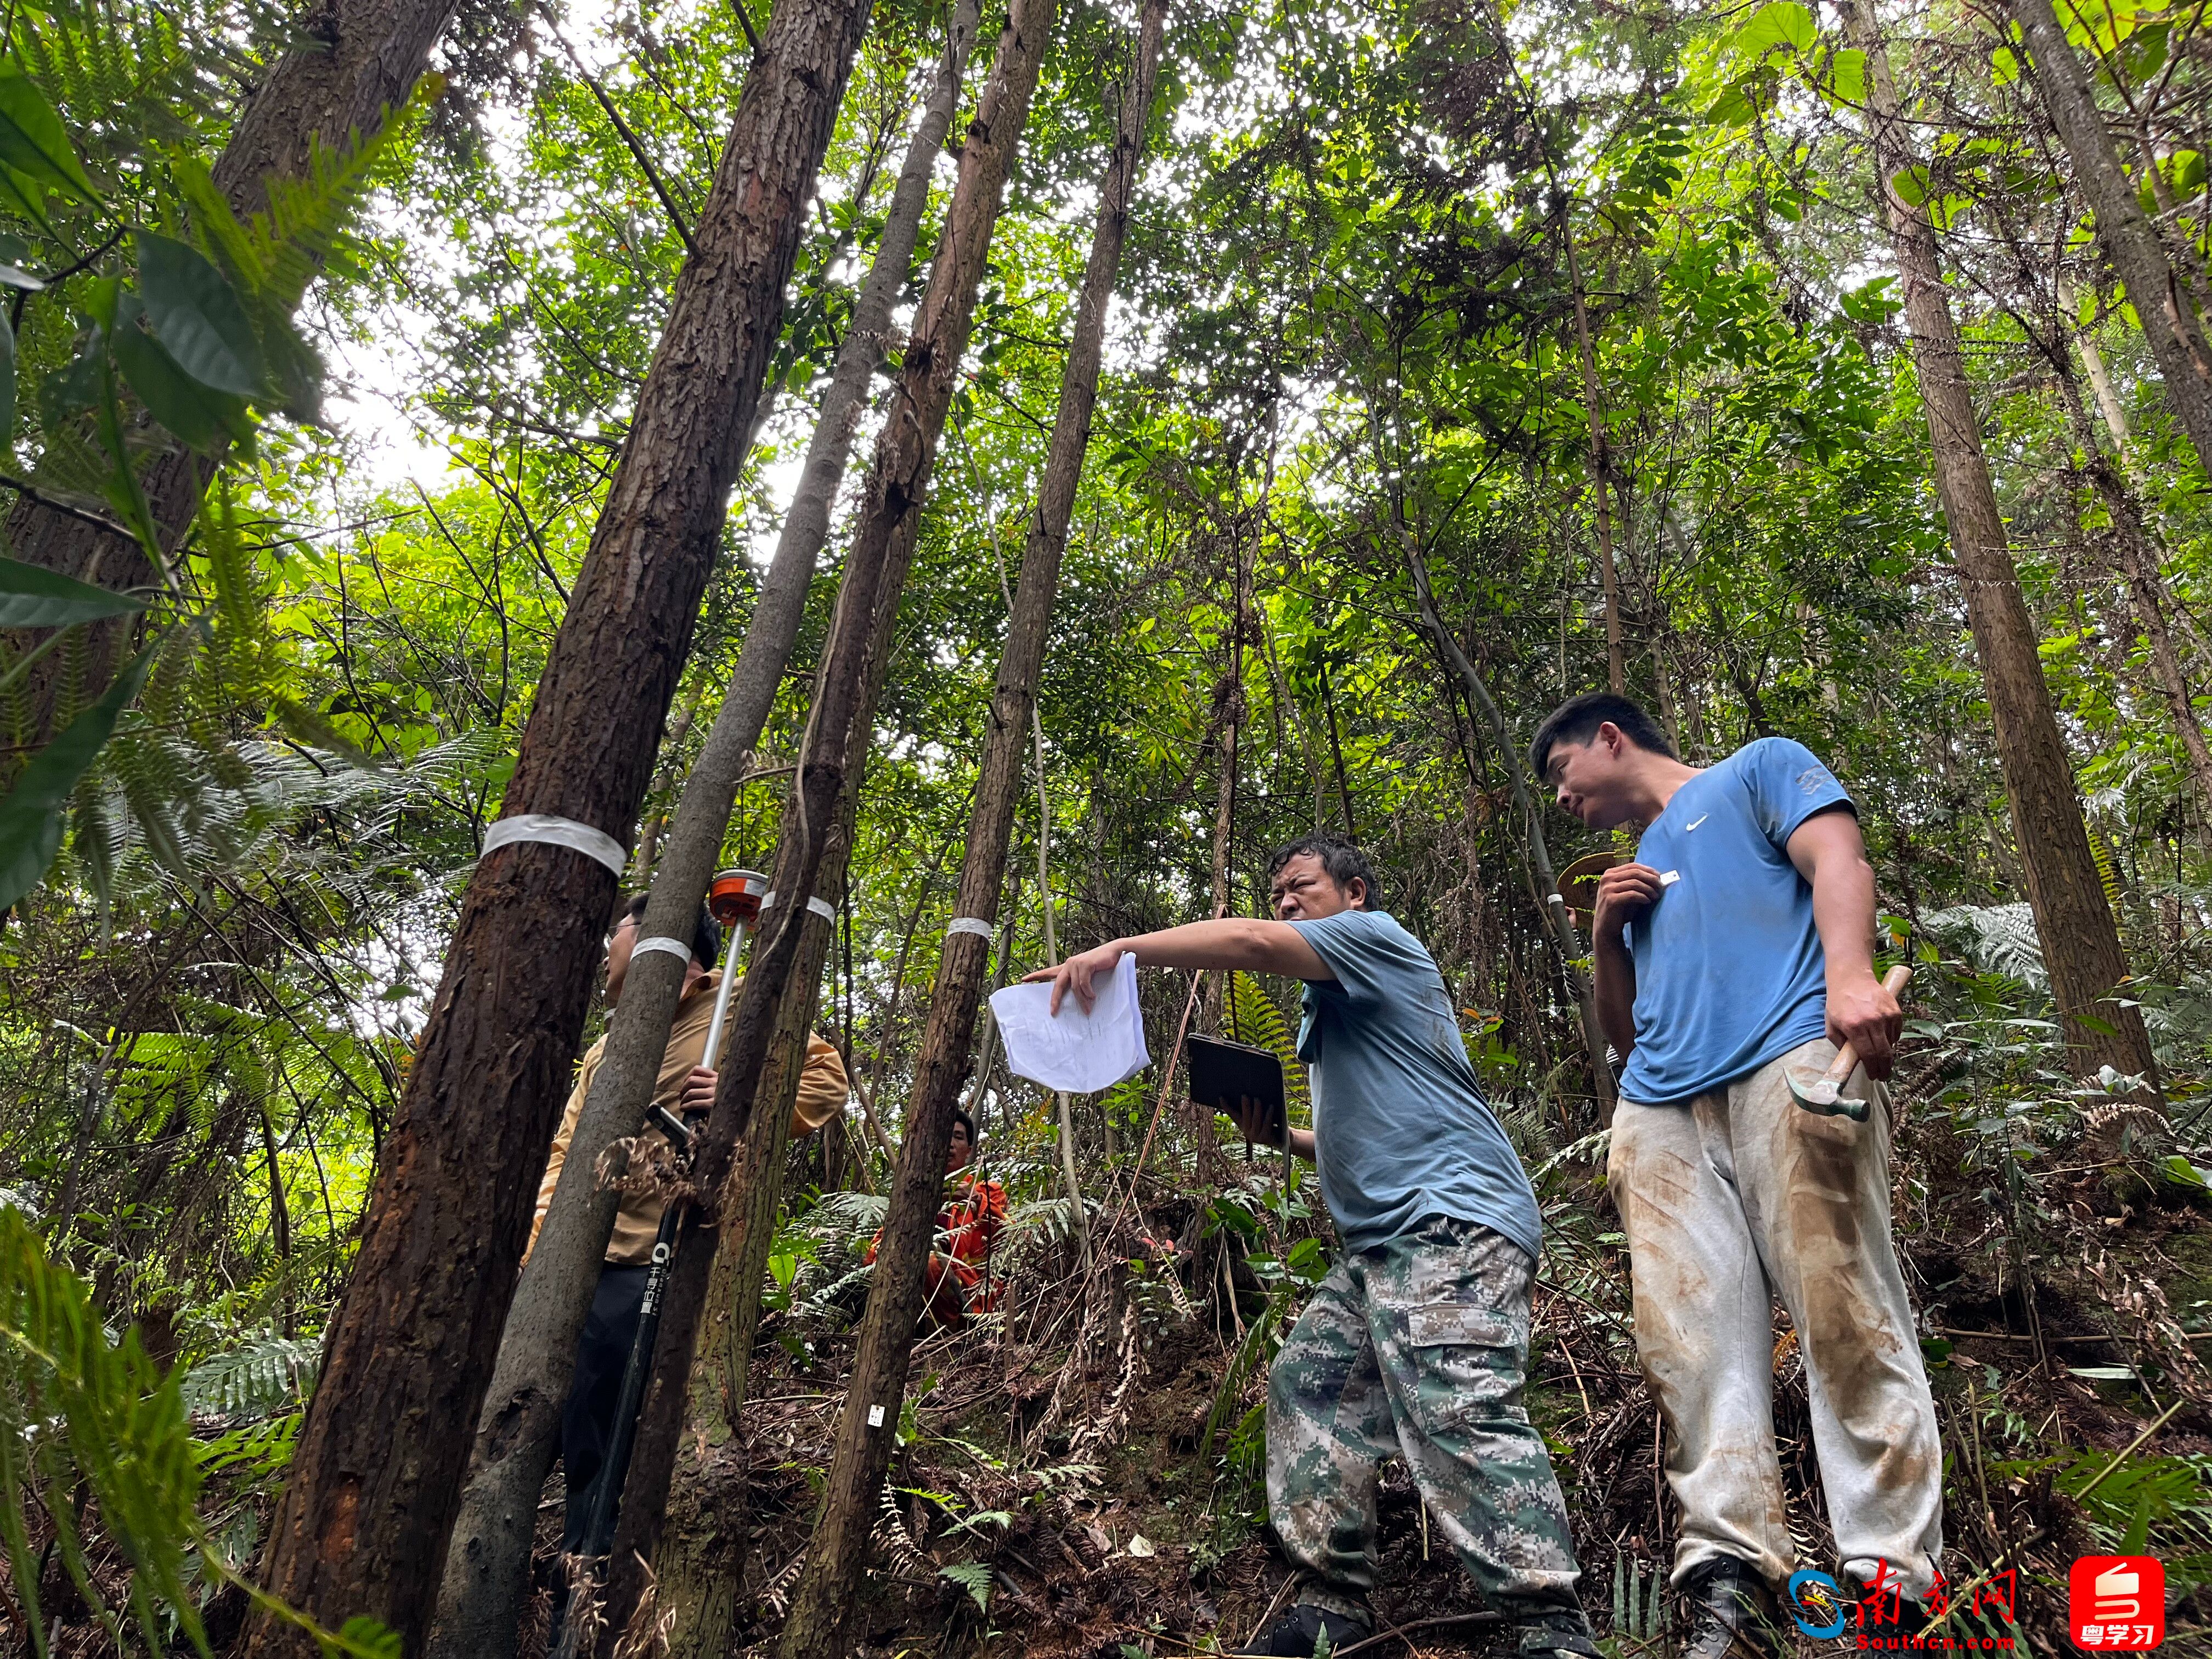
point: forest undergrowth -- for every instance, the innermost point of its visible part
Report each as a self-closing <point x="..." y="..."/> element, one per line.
<point x="1080" y="1472"/>
<point x="1078" y="1469"/>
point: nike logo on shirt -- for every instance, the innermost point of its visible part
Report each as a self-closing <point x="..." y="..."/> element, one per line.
<point x="1693" y="824"/>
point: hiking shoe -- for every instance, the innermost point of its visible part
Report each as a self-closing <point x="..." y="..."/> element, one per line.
<point x="1301" y="1632"/>
<point x="1733" y="1613"/>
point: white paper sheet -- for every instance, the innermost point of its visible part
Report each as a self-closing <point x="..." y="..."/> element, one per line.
<point x="1076" y="1052"/>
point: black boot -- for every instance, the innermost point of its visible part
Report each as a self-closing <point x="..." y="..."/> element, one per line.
<point x="1734" y="1613"/>
<point x="1299" y="1634"/>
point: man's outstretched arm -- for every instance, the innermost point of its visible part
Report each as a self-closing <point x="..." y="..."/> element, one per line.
<point x="1235" y="942"/>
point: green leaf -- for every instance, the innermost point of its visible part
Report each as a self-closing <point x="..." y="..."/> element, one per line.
<point x="366" y="1638"/>
<point x="26" y="196"/>
<point x="16" y="276"/>
<point x="196" y="315"/>
<point x="2103" y="1373"/>
<point x="2182" y="1171"/>
<point x="30" y="816"/>
<point x="2004" y="66"/>
<point x="1911" y="186"/>
<point x="33" y="598"/>
<point x="1847" y="74"/>
<point x="2139" y="1528"/>
<point x="973" y="1577"/>
<point x="1778" y="23"/>
<point x="1732" y="108"/>
<point x="1871" y="302"/>
<point x="33" y="141"/>
<point x="203" y="418"/>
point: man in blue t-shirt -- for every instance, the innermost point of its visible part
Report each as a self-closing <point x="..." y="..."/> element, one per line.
<point x="1739" y="942"/>
<point x="1416" y="1340"/>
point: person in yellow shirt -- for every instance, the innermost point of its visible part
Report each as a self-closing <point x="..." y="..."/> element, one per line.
<point x="685" y="1085"/>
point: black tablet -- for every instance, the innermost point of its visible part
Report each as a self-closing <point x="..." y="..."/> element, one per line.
<point x="1223" y="1073"/>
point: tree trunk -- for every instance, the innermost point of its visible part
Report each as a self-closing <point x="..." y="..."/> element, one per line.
<point x="487" y="1570"/>
<point x="363" y="1524"/>
<point x="2081" y="940"/>
<point x="699" y="1570"/>
<point x="354" y="60"/>
<point x="2124" y="230"/>
<point x="875" y="573"/>
<point x="824" y="1594"/>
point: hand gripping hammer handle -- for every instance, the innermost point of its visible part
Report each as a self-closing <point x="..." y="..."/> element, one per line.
<point x="1847" y="1057"/>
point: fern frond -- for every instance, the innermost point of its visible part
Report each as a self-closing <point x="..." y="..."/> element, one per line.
<point x="77" y="1408"/>
<point x="272" y="1375"/>
<point x="2108" y="878"/>
<point x="1995" y="938"/>
<point x="896" y="1542"/>
<point x="1255" y="1018"/>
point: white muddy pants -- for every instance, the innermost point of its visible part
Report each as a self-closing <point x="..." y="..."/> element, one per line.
<point x="1738" y="1197"/>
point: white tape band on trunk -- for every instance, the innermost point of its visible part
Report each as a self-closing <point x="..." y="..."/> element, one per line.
<point x="820" y="907"/>
<point x="558" y="832"/>
<point x="674" y="947"/>
<point x="975" y="925"/>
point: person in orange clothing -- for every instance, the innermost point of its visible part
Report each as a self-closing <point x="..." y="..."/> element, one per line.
<point x="685" y="1085"/>
<point x="968" y="1225"/>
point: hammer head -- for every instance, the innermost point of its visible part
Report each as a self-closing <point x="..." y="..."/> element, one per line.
<point x="1823" y="1095"/>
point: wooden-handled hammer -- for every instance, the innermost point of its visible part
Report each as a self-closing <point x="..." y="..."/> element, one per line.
<point x="1823" y="1093"/>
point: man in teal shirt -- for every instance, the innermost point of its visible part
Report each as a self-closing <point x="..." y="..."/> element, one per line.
<point x="1416" y="1341"/>
<point x="1739" y="941"/>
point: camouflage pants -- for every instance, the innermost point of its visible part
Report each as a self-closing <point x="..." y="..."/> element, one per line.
<point x="1418" y="1347"/>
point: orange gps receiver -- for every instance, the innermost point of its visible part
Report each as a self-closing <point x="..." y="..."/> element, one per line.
<point x="735" y="898"/>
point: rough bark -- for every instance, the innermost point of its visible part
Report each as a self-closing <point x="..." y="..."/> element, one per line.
<point x="824" y="1594"/>
<point x="2123" y="229"/>
<point x="875" y="573"/>
<point x="698" y="1572"/>
<point x="487" y="1568"/>
<point x="2081" y="940"/>
<point x="351" y="62"/>
<point x="363" y="1524"/>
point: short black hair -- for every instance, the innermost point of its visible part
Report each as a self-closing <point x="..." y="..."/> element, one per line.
<point x="706" y="935"/>
<point x="960" y="1116"/>
<point x="1576" y="721"/>
<point x="1345" y="863"/>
